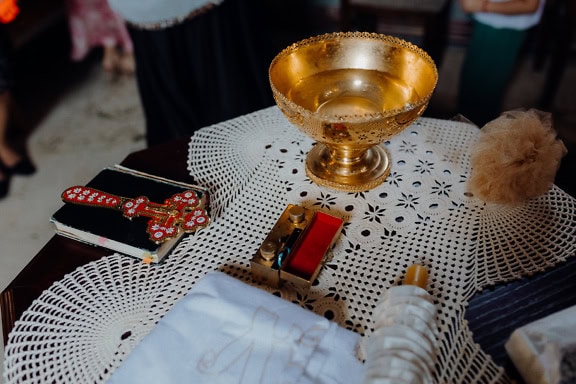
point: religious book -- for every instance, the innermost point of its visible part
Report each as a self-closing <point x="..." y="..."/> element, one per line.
<point x="132" y="212"/>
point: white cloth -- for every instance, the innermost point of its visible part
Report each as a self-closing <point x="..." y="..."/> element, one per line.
<point x="144" y="12"/>
<point x="84" y="326"/>
<point x="538" y="349"/>
<point x="225" y="331"/>
<point x="519" y="22"/>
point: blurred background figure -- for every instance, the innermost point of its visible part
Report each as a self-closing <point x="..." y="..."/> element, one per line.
<point x="94" y="24"/>
<point x="199" y="62"/>
<point x="11" y="162"/>
<point x="499" y="31"/>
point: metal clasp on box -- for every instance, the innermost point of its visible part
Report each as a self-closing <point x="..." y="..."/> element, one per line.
<point x="296" y="248"/>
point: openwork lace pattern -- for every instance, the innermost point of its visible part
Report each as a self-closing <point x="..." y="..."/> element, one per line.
<point x="83" y="326"/>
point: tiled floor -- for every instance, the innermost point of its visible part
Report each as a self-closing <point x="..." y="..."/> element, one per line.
<point x="83" y="121"/>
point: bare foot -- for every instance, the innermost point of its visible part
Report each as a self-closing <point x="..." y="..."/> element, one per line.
<point x="110" y="59"/>
<point x="127" y="64"/>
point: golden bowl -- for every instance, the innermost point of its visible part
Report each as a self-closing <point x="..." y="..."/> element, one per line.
<point x="350" y="92"/>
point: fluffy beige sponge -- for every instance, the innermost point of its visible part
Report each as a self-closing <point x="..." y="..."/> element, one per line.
<point x="515" y="158"/>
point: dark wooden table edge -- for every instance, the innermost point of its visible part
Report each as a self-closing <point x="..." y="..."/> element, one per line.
<point x="168" y="160"/>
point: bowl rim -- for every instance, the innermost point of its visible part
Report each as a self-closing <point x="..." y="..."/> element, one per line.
<point x="423" y="101"/>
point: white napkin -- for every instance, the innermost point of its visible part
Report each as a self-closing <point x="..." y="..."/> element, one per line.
<point x="225" y="331"/>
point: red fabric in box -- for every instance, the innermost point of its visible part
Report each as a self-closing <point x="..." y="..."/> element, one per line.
<point x="313" y="246"/>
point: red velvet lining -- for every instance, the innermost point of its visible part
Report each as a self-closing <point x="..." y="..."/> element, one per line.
<point x="313" y="245"/>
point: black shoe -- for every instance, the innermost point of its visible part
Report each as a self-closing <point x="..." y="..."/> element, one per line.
<point x="23" y="167"/>
<point x="4" y="186"/>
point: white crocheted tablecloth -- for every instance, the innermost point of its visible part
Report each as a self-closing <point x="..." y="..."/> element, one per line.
<point x="81" y="328"/>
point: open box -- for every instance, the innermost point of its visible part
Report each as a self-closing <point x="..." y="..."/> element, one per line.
<point x="296" y="248"/>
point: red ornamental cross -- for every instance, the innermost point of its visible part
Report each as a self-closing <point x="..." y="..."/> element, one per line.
<point x="181" y="212"/>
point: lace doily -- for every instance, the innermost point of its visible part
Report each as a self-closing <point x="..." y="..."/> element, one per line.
<point x="81" y="328"/>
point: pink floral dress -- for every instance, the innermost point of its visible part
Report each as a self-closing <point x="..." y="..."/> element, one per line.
<point x="93" y="24"/>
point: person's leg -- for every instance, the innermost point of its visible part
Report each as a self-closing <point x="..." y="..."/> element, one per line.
<point x="127" y="64"/>
<point x="8" y="157"/>
<point x="4" y="177"/>
<point x="12" y="162"/>
<point x="110" y="58"/>
<point x="486" y="72"/>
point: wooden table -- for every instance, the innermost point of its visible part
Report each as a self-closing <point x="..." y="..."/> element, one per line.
<point x="492" y="314"/>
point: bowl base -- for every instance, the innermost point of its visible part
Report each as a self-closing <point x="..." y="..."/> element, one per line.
<point x="363" y="174"/>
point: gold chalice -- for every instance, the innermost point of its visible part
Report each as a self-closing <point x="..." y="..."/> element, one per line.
<point x="350" y="92"/>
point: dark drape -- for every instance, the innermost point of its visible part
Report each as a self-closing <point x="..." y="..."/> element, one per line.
<point x="210" y="68"/>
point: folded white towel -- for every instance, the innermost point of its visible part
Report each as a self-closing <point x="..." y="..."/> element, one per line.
<point x="225" y="331"/>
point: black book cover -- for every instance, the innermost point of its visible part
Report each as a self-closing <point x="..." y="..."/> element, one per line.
<point x="108" y="227"/>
